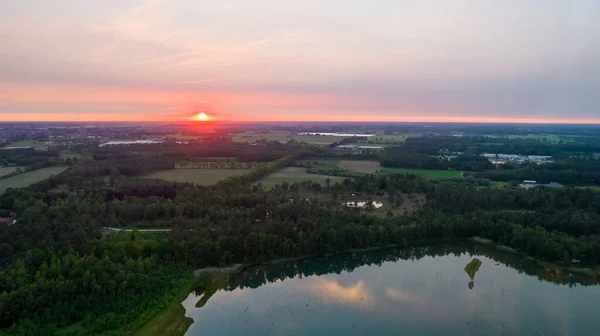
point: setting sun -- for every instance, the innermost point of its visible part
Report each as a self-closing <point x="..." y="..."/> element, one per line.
<point x="202" y="117"/>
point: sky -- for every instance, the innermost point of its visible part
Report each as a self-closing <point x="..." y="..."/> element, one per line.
<point x="309" y="60"/>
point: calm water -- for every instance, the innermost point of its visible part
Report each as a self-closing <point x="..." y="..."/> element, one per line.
<point x="415" y="291"/>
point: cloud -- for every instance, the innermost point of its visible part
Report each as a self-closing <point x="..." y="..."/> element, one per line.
<point x="444" y="59"/>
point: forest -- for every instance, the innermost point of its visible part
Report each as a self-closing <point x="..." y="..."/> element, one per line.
<point x="63" y="274"/>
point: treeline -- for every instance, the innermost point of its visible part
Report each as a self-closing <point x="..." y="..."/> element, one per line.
<point x="403" y="158"/>
<point x="255" y="277"/>
<point x="30" y="158"/>
<point x="218" y="148"/>
<point x="59" y="271"/>
<point x="541" y="173"/>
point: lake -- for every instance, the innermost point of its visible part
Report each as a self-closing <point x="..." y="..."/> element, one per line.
<point x="405" y="291"/>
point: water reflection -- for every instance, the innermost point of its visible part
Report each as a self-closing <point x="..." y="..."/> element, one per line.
<point x="413" y="291"/>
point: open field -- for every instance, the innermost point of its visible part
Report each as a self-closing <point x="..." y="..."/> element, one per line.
<point x="27" y="179"/>
<point x="332" y="162"/>
<point x="171" y="320"/>
<point x="285" y="137"/>
<point x="37" y="145"/>
<point x="296" y="174"/>
<point x="386" y="138"/>
<point x="8" y="170"/>
<point x="367" y="167"/>
<point x="430" y="173"/>
<point x="198" y="176"/>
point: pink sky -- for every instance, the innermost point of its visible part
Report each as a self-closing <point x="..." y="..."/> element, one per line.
<point x="429" y="60"/>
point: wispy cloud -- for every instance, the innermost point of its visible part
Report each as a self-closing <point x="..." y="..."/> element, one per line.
<point x="201" y="81"/>
<point x="286" y="37"/>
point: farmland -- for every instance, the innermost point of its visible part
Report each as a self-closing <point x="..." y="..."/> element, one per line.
<point x="197" y="176"/>
<point x="37" y="145"/>
<point x="390" y="138"/>
<point x="26" y="179"/>
<point x="367" y="167"/>
<point x="296" y="174"/>
<point x="429" y="173"/>
<point x="285" y="137"/>
<point x="8" y="170"/>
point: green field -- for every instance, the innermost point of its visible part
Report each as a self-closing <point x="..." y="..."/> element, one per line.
<point x="387" y="138"/>
<point x="37" y="145"/>
<point x="296" y="174"/>
<point x="430" y="173"/>
<point x="8" y="170"/>
<point x="171" y="320"/>
<point x="285" y="137"/>
<point x="367" y="167"/>
<point x="198" y="176"/>
<point x="27" y="179"/>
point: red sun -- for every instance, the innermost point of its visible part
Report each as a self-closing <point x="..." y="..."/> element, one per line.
<point x="202" y="117"/>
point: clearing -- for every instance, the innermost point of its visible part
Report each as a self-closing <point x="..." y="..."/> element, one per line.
<point x="27" y="179"/>
<point x="367" y="167"/>
<point x="296" y="174"/>
<point x="8" y="170"/>
<point x="430" y="173"/>
<point x="285" y="137"/>
<point x="198" y="176"/>
<point x="37" y="145"/>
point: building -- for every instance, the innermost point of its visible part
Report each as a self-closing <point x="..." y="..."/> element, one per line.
<point x="529" y="182"/>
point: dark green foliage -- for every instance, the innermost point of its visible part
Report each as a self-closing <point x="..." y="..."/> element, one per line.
<point x="58" y="270"/>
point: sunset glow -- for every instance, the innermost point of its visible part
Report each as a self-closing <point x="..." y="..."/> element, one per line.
<point x="148" y="60"/>
<point x="202" y="117"/>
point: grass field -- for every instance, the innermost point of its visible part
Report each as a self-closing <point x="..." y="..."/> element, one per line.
<point x="386" y="138"/>
<point x="296" y="174"/>
<point x="27" y="179"/>
<point x="367" y="167"/>
<point x="430" y="173"/>
<point x="8" y="170"/>
<point x="198" y="176"/>
<point x="171" y="320"/>
<point x="332" y="162"/>
<point x="37" y="145"/>
<point x="285" y="137"/>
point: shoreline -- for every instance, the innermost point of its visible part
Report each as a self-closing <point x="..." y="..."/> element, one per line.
<point x="236" y="269"/>
<point x="546" y="265"/>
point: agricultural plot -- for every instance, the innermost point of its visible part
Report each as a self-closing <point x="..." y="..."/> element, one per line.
<point x="8" y="170"/>
<point x="37" y="145"/>
<point x="285" y="137"/>
<point x="429" y="173"/>
<point x="332" y="162"/>
<point x="296" y="175"/>
<point x="390" y="139"/>
<point x="27" y="179"/>
<point x="197" y="176"/>
<point x="367" y="167"/>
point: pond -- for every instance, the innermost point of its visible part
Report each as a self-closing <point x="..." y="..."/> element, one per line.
<point x="462" y="289"/>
